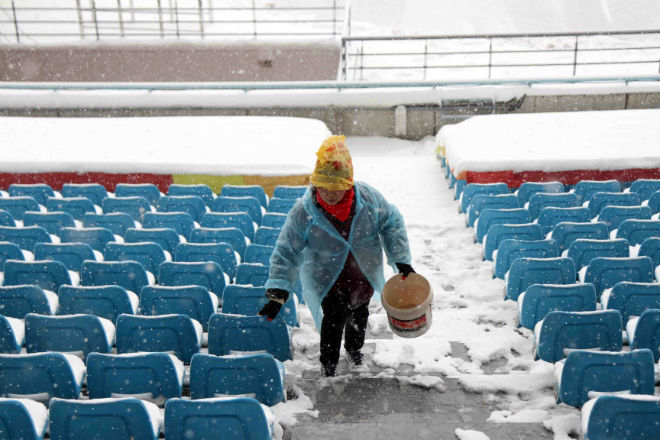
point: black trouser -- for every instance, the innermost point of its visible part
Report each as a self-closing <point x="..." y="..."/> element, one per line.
<point x="337" y="316"/>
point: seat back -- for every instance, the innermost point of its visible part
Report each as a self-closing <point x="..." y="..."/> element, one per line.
<point x="6" y="219"/>
<point x="240" y="220"/>
<point x="97" y="238"/>
<point x="540" y="299"/>
<point x="527" y="271"/>
<point x="510" y="249"/>
<point x="49" y="275"/>
<point x="232" y="236"/>
<point x="181" y="222"/>
<point x="484" y="201"/>
<point x="566" y="232"/>
<point x="472" y="189"/>
<point x="615" y="215"/>
<point x="633" y="299"/>
<point x="25" y="237"/>
<point x="617" y="417"/>
<point x="266" y="236"/>
<point x="273" y="220"/>
<point x="93" y="191"/>
<point x="10" y="251"/>
<point x="252" y="274"/>
<point x="258" y="253"/>
<point x="18" y="422"/>
<point x="602" y="199"/>
<point x="255" y="191"/>
<point x="116" y="222"/>
<point x="17" y="206"/>
<point x="103" y="301"/>
<point x="528" y="189"/>
<point x="193" y="205"/>
<point x="149" y="191"/>
<point x="490" y="217"/>
<point x="647" y="333"/>
<point x="18" y="301"/>
<point x="587" y="188"/>
<point x="200" y="190"/>
<point x="136" y="207"/>
<point x="239" y="204"/>
<point x="248" y="300"/>
<point x="636" y="231"/>
<point x="38" y="191"/>
<point x="71" y="255"/>
<point x="582" y="251"/>
<point x="204" y="273"/>
<point x="52" y="222"/>
<point x="192" y="301"/>
<point x="221" y="253"/>
<point x="654" y="202"/>
<point x="11" y="337"/>
<point x="289" y="192"/>
<point x="651" y="248"/>
<point x="606" y="272"/>
<point x="76" y="206"/>
<point x="645" y="187"/>
<point x="74" y="334"/>
<point x="283" y="206"/>
<point x="167" y="238"/>
<point x="539" y="201"/>
<point x="499" y="232"/>
<point x="40" y="376"/>
<point x="131" y="275"/>
<point x="149" y="254"/>
<point x="551" y="216"/>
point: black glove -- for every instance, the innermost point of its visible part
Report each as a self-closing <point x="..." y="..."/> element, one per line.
<point x="277" y="298"/>
<point x="404" y="269"/>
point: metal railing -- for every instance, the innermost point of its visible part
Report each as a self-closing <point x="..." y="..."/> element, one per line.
<point x="500" y="55"/>
<point x="172" y="19"/>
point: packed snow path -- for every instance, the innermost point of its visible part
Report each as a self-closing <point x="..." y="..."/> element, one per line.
<point x="473" y="370"/>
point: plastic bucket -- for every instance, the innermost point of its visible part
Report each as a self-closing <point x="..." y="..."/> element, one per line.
<point x="408" y="304"/>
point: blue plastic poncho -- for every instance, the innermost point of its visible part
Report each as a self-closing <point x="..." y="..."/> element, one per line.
<point x="311" y="246"/>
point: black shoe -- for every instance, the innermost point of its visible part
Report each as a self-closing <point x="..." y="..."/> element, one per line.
<point x="328" y="370"/>
<point x="356" y="357"/>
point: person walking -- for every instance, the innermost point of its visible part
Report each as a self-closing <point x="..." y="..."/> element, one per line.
<point x="334" y="238"/>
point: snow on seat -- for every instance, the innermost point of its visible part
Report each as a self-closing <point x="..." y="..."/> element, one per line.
<point x="561" y="332"/>
<point x="193" y="205"/>
<point x="18" y="301"/>
<point x="181" y="222"/>
<point x="509" y="250"/>
<point x="194" y="301"/>
<point x="567" y="232"/>
<point x="252" y="274"/>
<point x="103" y="301"/>
<point x="528" y="189"/>
<point x="12" y="334"/>
<point x="255" y="191"/>
<point x="155" y="377"/>
<point x="74" y="334"/>
<point x="240" y="220"/>
<point x="631" y="298"/>
<point x="289" y="192"/>
<point x="149" y="254"/>
<point x="93" y="191"/>
<point x="40" y="376"/>
<point x="540" y="299"/>
<point x="52" y="222"/>
<point x="149" y="191"/>
<point x="551" y="216"/>
<point x="250" y="205"/>
<point x="200" y="190"/>
<point x="131" y="275"/>
<point x="221" y="253"/>
<point x="473" y="189"/>
<point x="654" y="202"/>
<point x="25" y="237"/>
<point x="283" y="206"/>
<point x="636" y="231"/>
<point x="104" y="419"/>
<point x="6" y="219"/>
<point x="10" y="251"/>
<point x="645" y="187"/>
<point x="527" y="271"/>
<point x="136" y="206"/>
<point x="22" y="419"/>
<point x="259" y="375"/>
<point x="76" y="206"/>
<point x="605" y="272"/>
<point x="621" y="417"/>
<point x="615" y="215"/>
<point x="17" y="206"/>
<point x="651" y="248"/>
<point x="237" y="418"/>
<point x="587" y="188"/>
<point x="258" y="253"/>
<point x="266" y="236"/>
<point x="583" y="250"/>
<point x="176" y="334"/>
<point x="644" y="332"/>
<point x="602" y="199"/>
<point x="97" y="238"/>
<point x="273" y="220"/>
<point x="38" y="191"/>
<point x="48" y="275"/>
<point x="116" y="222"/>
<point x="71" y="255"/>
<point x="203" y="273"/>
<point x="236" y="333"/>
<point x="231" y="235"/>
<point x="248" y="301"/>
<point x="167" y="238"/>
<point x="586" y="374"/>
<point x="539" y="201"/>
<point x="486" y="201"/>
<point x="499" y="232"/>
<point x="490" y="217"/>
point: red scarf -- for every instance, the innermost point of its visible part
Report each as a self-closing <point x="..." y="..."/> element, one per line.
<point x="341" y="210"/>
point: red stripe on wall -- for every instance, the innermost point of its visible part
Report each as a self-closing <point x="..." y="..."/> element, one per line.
<point x="109" y="180"/>
<point x="571" y="177"/>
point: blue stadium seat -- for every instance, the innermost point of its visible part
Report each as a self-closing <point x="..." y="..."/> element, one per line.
<point x="551" y="216"/>
<point x="136" y="207"/>
<point x="17" y="206"/>
<point x="281" y="205"/>
<point x="240" y="220"/>
<point x="255" y="191"/>
<point x="459" y="188"/>
<point x="587" y="188"/>
<point x="12" y="335"/>
<point x="178" y="334"/>
<point x="651" y="248"/>
<point x="103" y="301"/>
<point x="71" y="255"/>
<point x="167" y="238"/>
<point x="266" y="236"/>
<point x="540" y="299"/>
<point x="252" y="274"/>
<point x="131" y="275"/>
<point x="260" y="375"/>
<point x="644" y="332"/>
<point x="273" y="220"/>
<point x="10" y="251"/>
<point x="247" y="300"/>
<point x="632" y="299"/>
<point x="582" y="250"/>
<point x="6" y="219"/>
<point x="499" y="232"/>
<point x="38" y="191"/>
<point x="560" y="332"/>
<point x="147" y="190"/>
<point x="527" y="271"/>
<point x="486" y="201"/>
<point x="539" y="201"/>
<point x="193" y="205"/>
<point x="193" y="300"/>
<point x="75" y="334"/>
<point x="566" y="232"/>
<point x="600" y="200"/>
<point x="240" y="418"/>
<point x="258" y="253"/>
<point x="181" y="222"/>
<point x="149" y="254"/>
<point x="40" y="376"/>
<point x="643" y="187"/>
<point x="621" y="418"/>
<point x="93" y="191"/>
<point x="25" y="237"/>
<point x="654" y="202"/>
<point x="116" y="222"/>
<point x="151" y="376"/>
<point x="585" y="372"/>
<point x="636" y="231"/>
<point x="199" y="190"/>
<point x="52" y="222"/>
<point x="239" y="204"/>
<point x="18" y="301"/>
<point x="490" y="217"/>
<point x="472" y="189"/>
<point x="528" y="189"/>
<point x="221" y="253"/>
<point x="605" y="272"/>
<point x="509" y="250"/>
<point x="232" y="236"/>
<point x="49" y="275"/>
<point x="615" y="215"/>
<point x="76" y="206"/>
<point x="97" y="238"/>
<point x="124" y="419"/>
<point x="234" y="333"/>
<point x="22" y="419"/>
<point x="206" y="273"/>
<point x="289" y="192"/>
